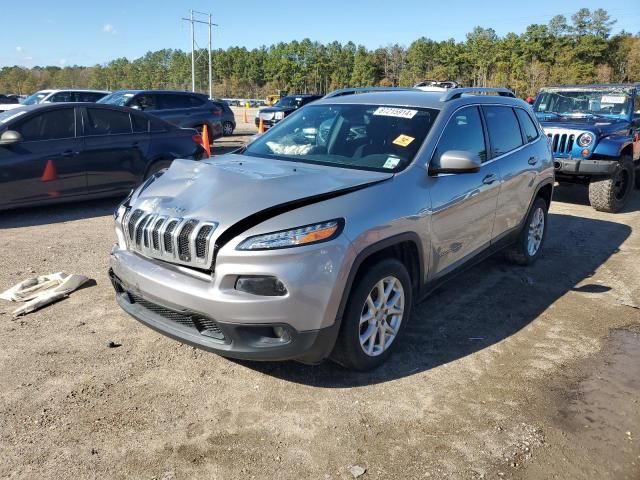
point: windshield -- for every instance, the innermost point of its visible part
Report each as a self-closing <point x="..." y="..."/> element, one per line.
<point x="35" y="98"/>
<point x="117" y="98"/>
<point x="607" y="102"/>
<point x="289" y="102"/>
<point x="366" y="137"/>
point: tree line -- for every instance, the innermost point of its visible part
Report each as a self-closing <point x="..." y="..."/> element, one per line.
<point x="578" y="50"/>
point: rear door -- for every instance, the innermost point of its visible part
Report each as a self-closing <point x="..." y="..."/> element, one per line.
<point x="45" y="164"/>
<point x="463" y="204"/>
<point x="517" y="161"/>
<point x="115" y="156"/>
<point x="174" y="108"/>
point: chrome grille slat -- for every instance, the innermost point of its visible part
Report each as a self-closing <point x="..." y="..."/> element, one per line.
<point x="183" y="241"/>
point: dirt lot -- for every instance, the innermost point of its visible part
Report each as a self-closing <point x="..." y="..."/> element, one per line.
<point x="526" y="373"/>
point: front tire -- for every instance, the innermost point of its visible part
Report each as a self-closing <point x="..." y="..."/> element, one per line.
<point x="611" y="194"/>
<point x="377" y="312"/>
<point x="527" y="248"/>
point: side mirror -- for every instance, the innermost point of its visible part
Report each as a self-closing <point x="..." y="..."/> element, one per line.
<point x="457" y="161"/>
<point x="10" y="137"/>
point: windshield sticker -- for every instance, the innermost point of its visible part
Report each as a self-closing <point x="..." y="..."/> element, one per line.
<point x="403" y="140"/>
<point x="613" y="99"/>
<point x="395" y="112"/>
<point x="392" y="162"/>
<point x="11" y="117"/>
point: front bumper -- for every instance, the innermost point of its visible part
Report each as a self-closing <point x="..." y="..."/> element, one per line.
<point x="267" y="123"/>
<point x="245" y="342"/>
<point x="208" y="312"/>
<point x="571" y="166"/>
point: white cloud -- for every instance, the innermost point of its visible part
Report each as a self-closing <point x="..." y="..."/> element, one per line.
<point x="18" y="49"/>
<point x="108" y="28"/>
<point x="62" y="61"/>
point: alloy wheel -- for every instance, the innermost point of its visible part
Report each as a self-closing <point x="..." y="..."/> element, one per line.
<point x="381" y="316"/>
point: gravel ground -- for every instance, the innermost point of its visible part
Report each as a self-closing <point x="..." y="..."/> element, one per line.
<point x="506" y="372"/>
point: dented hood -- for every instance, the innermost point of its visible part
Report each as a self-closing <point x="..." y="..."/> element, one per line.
<point x="230" y="188"/>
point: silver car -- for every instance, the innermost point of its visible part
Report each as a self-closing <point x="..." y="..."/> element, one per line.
<point x="315" y="240"/>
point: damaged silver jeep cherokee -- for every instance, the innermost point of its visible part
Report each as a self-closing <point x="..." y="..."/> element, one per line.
<point x="315" y="240"/>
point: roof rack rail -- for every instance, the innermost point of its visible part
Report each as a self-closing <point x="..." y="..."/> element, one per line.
<point x="454" y="93"/>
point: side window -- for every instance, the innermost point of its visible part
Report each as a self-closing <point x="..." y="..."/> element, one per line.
<point x="51" y="125"/>
<point x="88" y="96"/>
<point x="195" y="102"/>
<point x="528" y="127"/>
<point x="463" y="132"/>
<point x="62" y="97"/>
<point x="169" y="100"/>
<point x="504" y="130"/>
<point x="101" y="121"/>
<point x="139" y="124"/>
<point x="636" y="108"/>
<point x="145" y="101"/>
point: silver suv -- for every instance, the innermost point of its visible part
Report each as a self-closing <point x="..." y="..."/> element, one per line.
<point x="315" y="240"/>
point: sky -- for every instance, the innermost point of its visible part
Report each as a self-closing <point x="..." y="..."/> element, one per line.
<point x="71" y="32"/>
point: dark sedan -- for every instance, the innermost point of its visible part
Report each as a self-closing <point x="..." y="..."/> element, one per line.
<point x="62" y="152"/>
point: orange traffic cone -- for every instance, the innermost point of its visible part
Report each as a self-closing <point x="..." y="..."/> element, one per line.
<point x="49" y="174"/>
<point x="205" y="140"/>
<point x="244" y="116"/>
<point x="261" y="126"/>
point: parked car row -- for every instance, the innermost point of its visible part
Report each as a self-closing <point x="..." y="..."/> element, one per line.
<point x="59" y="152"/>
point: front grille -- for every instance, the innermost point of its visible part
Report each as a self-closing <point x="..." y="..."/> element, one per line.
<point x="201" y="241"/>
<point x="176" y="240"/>
<point x="561" y="142"/>
<point x="184" y="240"/>
<point x="168" y="239"/>
<point x="201" y="324"/>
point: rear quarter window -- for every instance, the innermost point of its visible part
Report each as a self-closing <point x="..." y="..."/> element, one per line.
<point x="504" y="129"/>
<point x="529" y="129"/>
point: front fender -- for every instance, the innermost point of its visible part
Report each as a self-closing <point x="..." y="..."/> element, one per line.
<point x="612" y="146"/>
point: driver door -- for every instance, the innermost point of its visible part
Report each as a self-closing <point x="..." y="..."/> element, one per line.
<point x="463" y="204"/>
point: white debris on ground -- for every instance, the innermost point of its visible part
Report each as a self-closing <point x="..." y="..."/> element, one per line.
<point x="43" y="290"/>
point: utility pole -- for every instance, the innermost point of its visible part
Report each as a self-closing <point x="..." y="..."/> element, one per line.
<point x="192" y="21"/>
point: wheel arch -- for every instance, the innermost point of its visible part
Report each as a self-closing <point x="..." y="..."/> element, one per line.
<point x="406" y="247"/>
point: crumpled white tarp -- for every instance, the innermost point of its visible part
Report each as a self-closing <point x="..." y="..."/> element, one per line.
<point x="40" y="291"/>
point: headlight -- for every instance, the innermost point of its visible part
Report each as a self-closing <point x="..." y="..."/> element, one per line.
<point x="585" y="139"/>
<point x="279" y="115"/>
<point x="319" y="232"/>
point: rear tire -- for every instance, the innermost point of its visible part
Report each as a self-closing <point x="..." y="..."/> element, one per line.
<point x="527" y="248"/>
<point x="377" y="312"/>
<point x="227" y="129"/>
<point x="611" y="194"/>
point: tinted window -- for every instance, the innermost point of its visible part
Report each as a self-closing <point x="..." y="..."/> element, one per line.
<point x="528" y="128"/>
<point x="463" y="132"/>
<point x="104" y="122"/>
<point x="140" y="124"/>
<point x="145" y="101"/>
<point x="504" y="130"/>
<point x="88" y="96"/>
<point x="169" y="100"/>
<point x="61" y="97"/>
<point x="48" y="125"/>
<point x="196" y="102"/>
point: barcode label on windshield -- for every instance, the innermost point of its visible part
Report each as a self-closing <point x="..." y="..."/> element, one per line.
<point x="613" y="99"/>
<point x="395" y="112"/>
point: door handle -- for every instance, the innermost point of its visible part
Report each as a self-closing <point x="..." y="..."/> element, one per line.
<point x="489" y="179"/>
<point x="69" y="153"/>
<point x="532" y="160"/>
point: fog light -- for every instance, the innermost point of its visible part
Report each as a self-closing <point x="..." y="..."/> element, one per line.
<point x="282" y="333"/>
<point x="261" y="285"/>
